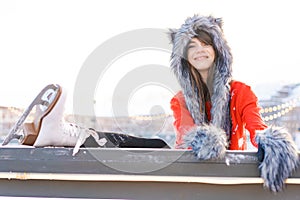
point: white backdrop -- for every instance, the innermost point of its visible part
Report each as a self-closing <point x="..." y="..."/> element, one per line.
<point x="44" y="42"/>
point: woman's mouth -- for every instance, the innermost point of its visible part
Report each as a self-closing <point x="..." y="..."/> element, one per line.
<point x="200" y="58"/>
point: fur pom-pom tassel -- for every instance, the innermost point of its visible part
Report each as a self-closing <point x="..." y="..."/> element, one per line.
<point x="280" y="157"/>
<point x="207" y="142"/>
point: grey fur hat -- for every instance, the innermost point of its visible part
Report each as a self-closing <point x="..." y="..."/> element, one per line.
<point x="222" y="76"/>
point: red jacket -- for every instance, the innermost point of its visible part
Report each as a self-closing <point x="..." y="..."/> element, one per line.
<point x="244" y="113"/>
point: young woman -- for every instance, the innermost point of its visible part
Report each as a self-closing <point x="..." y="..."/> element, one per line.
<point x="212" y="111"/>
<point x="202" y="61"/>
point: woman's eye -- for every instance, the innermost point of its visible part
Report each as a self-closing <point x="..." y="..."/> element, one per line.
<point x="191" y="46"/>
<point x="204" y="44"/>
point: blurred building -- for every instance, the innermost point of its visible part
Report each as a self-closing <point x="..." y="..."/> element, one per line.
<point x="8" y="117"/>
<point x="283" y="108"/>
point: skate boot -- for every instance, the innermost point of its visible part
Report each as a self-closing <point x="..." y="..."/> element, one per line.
<point x="54" y="131"/>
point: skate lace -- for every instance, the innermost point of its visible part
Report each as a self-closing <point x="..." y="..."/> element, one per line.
<point x="74" y="130"/>
<point x="71" y="129"/>
<point x="81" y="134"/>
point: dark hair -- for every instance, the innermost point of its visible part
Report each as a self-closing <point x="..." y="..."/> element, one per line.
<point x="204" y="37"/>
<point x="201" y="89"/>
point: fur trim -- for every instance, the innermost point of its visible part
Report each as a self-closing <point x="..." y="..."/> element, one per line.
<point x="222" y="74"/>
<point x="207" y="142"/>
<point x="280" y="157"/>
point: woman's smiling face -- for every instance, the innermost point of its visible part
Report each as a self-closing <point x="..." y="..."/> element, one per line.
<point x="201" y="56"/>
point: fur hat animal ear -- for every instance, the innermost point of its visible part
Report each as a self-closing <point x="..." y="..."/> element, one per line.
<point x="219" y="21"/>
<point x="172" y="33"/>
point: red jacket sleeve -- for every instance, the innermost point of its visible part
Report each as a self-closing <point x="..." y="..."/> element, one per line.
<point x="183" y="120"/>
<point x="250" y="112"/>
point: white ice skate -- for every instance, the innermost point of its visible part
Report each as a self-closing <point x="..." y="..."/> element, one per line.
<point x="48" y="127"/>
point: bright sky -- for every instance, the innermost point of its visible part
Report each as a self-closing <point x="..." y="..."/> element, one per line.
<point x="44" y="42"/>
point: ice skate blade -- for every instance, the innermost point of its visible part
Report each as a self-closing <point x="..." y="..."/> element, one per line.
<point x="44" y="102"/>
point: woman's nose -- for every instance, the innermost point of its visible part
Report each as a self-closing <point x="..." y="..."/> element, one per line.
<point x="199" y="48"/>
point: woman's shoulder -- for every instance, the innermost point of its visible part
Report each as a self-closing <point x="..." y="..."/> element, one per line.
<point x="242" y="90"/>
<point x="239" y="86"/>
<point x="178" y="97"/>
